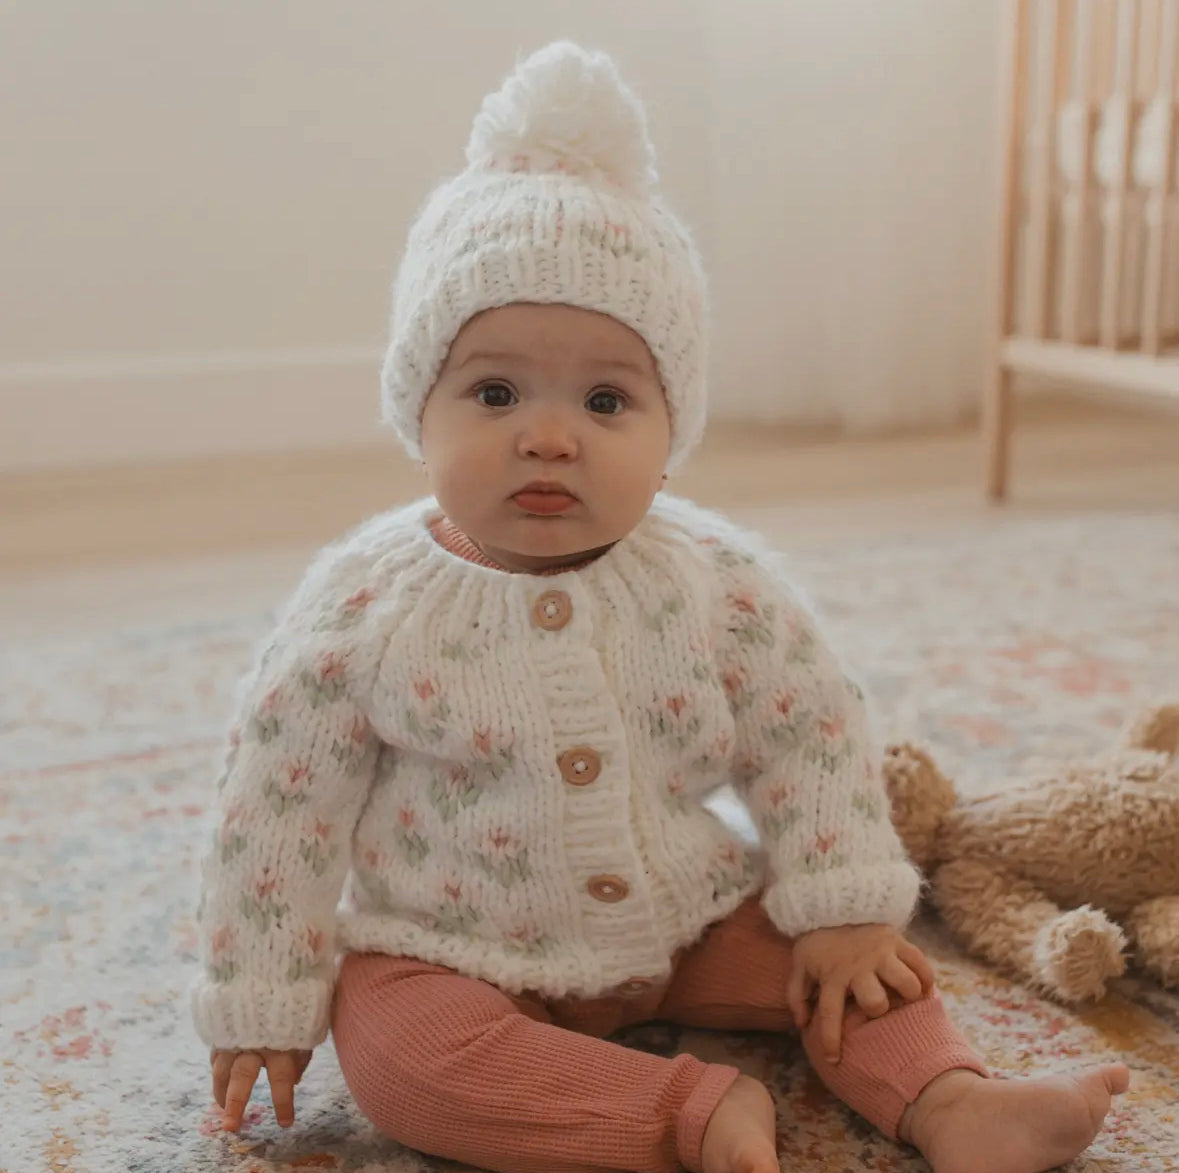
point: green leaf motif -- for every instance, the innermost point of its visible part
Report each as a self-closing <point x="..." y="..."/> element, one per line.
<point x="282" y="803"/>
<point x="263" y="729"/>
<point x="775" y="823"/>
<point x="312" y="852"/>
<point x="320" y="691"/>
<point x="232" y="846"/>
<point x="670" y="608"/>
<point x="868" y="805"/>
<point x="507" y="872"/>
<point x="414" y="847"/>
<point x="448" y="798"/>
<point x="264" y="912"/>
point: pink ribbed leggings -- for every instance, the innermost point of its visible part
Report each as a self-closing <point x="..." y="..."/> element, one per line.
<point x="455" y="1067"/>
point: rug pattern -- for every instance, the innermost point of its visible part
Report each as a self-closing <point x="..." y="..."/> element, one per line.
<point x="995" y="647"/>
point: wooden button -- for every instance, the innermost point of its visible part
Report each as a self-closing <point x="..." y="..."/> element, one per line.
<point x="609" y="889"/>
<point x="552" y="610"/>
<point x="635" y="986"/>
<point x="580" y="765"/>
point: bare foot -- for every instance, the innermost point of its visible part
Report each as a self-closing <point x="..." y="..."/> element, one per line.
<point x="739" y="1136"/>
<point x="963" y="1123"/>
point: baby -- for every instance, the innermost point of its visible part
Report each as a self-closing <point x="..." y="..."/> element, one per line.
<point x="490" y="721"/>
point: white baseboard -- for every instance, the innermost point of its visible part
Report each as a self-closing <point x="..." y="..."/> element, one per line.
<point x="142" y="408"/>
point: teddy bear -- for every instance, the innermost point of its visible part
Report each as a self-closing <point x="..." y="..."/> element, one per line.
<point x="1052" y="876"/>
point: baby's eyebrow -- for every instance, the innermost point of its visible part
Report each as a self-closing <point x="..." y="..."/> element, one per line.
<point x="492" y="356"/>
<point x="617" y="364"/>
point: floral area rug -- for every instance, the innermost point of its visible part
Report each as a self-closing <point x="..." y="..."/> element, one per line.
<point x="994" y="646"/>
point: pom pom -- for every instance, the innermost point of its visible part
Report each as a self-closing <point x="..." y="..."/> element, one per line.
<point x="565" y="109"/>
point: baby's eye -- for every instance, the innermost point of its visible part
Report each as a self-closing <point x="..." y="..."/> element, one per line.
<point x="614" y="402"/>
<point x="497" y="391"/>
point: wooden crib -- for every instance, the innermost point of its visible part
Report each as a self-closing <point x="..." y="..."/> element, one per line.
<point x="1089" y="240"/>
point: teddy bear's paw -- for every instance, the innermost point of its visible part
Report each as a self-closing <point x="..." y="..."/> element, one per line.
<point x="1077" y="953"/>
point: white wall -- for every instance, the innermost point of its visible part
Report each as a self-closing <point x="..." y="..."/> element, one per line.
<point x="201" y="206"/>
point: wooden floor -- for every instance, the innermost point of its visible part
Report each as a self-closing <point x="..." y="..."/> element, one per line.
<point x="80" y="550"/>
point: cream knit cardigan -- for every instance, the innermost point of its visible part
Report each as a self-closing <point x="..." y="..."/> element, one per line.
<point x="504" y="773"/>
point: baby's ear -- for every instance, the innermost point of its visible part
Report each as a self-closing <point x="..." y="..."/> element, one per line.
<point x="1156" y="729"/>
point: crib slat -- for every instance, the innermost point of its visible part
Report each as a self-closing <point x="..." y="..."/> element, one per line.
<point x="1115" y="199"/>
<point x="997" y="394"/>
<point x="1157" y="201"/>
<point x="1042" y="143"/>
<point x="1077" y="196"/>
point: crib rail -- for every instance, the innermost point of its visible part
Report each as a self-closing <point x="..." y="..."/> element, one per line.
<point x="1089" y="240"/>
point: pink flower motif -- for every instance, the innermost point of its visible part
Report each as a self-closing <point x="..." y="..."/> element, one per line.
<point x="744" y="602"/>
<point x="322" y="830"/>
<point x="235" y="738"/>
<point x="708" y="540"/>
<point x="371" y="858"/>
<point x="500" y="841"/>
<point x="266" y="885"/>
<point x="359" y="731"/>
<point x="675" y="784"/>
<point x="722" y="744"/>
<point x="221" y="941"/>
<point x="729" y="854"/>
<point x="733" y="681"/>
<point x="459" y="775"/>
<point x="74" y="1017"/>
<point x="405" y="817"/>
<point x="747" y="766"/>
<point x="424" y="688"/>
<point x="677" y="704"/>
<point x="482" y="739"/>
<point x="360" y="599"/>
<point x="778" y="795"/>
<point x="314" y="942"/>
<point x="296" y="776"/>
<point x="331" y="667"/>
<point x="784" y="702"/>
<point x="269" y="702"/>
<point x="453" y="891"/>
<point x="832" y="727"/>
<point x="824" y="843"/>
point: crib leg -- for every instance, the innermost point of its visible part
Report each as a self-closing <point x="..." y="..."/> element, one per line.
<point x="996" y="414"/>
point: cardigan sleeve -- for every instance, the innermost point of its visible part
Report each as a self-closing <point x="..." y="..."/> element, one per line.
<point x="804" y="759"/>
<point x="300" y="763"/>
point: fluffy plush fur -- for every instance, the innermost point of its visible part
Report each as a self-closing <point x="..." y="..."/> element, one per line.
<point x="1053" y="876"/>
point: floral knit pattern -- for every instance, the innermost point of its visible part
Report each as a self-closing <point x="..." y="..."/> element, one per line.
<point x="400" y="745"/>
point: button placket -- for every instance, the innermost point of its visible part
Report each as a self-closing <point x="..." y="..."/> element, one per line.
<point x="552" y="610"/>
<point x="580" y="765"/>
<point x="608" y="888"/>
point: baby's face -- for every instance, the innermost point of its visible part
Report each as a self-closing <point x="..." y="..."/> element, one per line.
<point x="547" y="393"/>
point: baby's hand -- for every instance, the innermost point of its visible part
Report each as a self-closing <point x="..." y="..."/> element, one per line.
<point x="234" y="1074"/>
<point x="860" y="959"/>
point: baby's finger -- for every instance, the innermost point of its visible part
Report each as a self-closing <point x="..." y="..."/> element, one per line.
<point x="280" y="1070"/>
<point x="798" y="994"/>
<point x="904" y="980"/>
<point x="241" y="1082"/>
<point x="919" y="964"/>
<point x="832" y="1002"/>
<point x="870" y="995"/>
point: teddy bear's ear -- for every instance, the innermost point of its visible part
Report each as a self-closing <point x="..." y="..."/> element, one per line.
<point x="1155" y="729"/>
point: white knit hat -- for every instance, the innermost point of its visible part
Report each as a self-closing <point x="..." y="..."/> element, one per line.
<point x="556" y="205"/>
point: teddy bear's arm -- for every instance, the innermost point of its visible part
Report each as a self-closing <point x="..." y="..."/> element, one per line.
<point x="1154" y="928"/>
<point x="1011" y="923"/>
